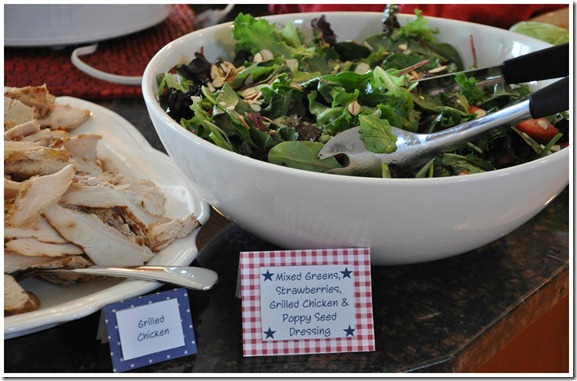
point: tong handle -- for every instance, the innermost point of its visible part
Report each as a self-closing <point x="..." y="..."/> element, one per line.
<point x="550" y="100"/>
<point x="552" y="62"/>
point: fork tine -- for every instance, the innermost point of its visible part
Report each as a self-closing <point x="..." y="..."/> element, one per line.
<point x="358" y="159"/>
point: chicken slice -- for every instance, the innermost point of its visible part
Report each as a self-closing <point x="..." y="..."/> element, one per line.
<point x="59" y="134"/>
<point x="104" y="179"/>
<point x="11" y="189"/>
<point x="24" y="150"/>
<point x="82" y="146"/>
<point x="65" y="117"/>
<point x="35" y="248"/>
<point x="37" y="97"/>
<point x="16" y="112"/>
<point x="101" y="196"/>
<point x="39" y="229"/>
<point x="27" y="168"/>
<point x="84" y="149"/>
<point x="16" y="299"/>
<point x="142" y="192"/>
<point x="22" y="130"/>
<point x="39" y="193"/>
<point x="162" y="235"/>
<point x="103" y="244"/>
<point x="44" y="137"/>
<point x="14" y="150"/>
<point x="14" y="262"/>
<point x="24" y="159"/>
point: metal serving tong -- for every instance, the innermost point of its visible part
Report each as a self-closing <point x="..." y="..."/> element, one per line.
<point x="552" y="62"/>
<point x="413" y="150"/>
<point x="194" y="278"/>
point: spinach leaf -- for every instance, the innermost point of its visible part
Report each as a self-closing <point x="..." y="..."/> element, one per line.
<point x="376" y="134"/>
<point x="282" y="98"/>
<point x="349" y="50"/>
<point x="301" y="155"/>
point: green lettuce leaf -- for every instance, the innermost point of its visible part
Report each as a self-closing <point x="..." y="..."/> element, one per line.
<point x="419" y="28"/>
<point x="255" y="34"/>
<point x="543" y="31"/>
<point x="376" y="134"/>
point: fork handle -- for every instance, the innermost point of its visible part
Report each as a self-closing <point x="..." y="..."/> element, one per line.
<point x="552" y="62"/>
<point x="195" y="278"/>
<point x="544" y="102"/>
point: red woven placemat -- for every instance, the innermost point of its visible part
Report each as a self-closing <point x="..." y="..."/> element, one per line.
<point x="127" y="56"/>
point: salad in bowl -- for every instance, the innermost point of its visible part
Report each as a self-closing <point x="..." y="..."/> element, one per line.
<point x="282" y="96"/>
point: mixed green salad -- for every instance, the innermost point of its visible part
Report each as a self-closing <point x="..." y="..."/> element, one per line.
<point x="281" y="97"/>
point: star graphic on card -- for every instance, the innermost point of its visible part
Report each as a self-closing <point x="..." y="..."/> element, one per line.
<point x="349" y="331"/>
<point x="347" y="273"/>
<point x="269" y="333"/>
<point x="267" y="276"/>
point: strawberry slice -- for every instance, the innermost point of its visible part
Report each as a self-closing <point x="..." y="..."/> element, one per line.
<point x="541" y="130"/>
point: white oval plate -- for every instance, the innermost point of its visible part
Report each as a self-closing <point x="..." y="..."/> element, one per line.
<point x="132" y="155"/>
<point x="38" y="25"/>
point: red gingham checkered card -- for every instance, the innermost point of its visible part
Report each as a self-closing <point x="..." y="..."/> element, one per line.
<point x="306" y="301"/>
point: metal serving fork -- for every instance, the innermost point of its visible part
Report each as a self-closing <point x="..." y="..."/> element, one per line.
<point x="413" y="150"/>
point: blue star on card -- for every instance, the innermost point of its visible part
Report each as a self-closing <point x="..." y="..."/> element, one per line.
<point x="346" y="273"/>
<point x="269" y="333"/>
<point x="267" y="276"/>
<point x="349" y="331"/>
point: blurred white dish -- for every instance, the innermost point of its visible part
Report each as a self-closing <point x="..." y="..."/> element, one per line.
<point x="133" y="156"/>
<point x="401" y="220"/>
<point x="34" y="25"/>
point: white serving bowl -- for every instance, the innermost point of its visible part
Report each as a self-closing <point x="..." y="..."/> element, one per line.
<point x="402" y="220"/>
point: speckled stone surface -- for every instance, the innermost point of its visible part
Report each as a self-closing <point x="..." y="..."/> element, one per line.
<point x="445" y="316"/>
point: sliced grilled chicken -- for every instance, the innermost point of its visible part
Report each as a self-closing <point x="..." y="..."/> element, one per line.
<point x="24" y="159"/>
<point x="65" y="117"/>
<point x="142" y="191"/>
<point x="161" y="235"/>
<point x="16" y="299"/>
<point x="24" y="150"/>
<point x="38" y="194"/>
<point x="37" y="97"/>
<point x="102" y="196"/>
<point x="103" y="244"/>
<point x="39" y="229"/>
<point x="11" y="189"/>
<point x="84" y="150"/>
<point x="44" y="137"/>
<point x="64" y="205"/>
<point x="27" y="168"/>
<point x="22" y="130"/>
<point x="33" y="247"/>
<point x="14" y="262"/>
<point x="16" y="112"/>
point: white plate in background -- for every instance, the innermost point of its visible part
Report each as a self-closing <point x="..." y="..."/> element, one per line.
<point x="36" y="25"/>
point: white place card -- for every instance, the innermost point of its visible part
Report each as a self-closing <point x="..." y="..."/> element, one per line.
<point x="306" y="301"/>
<point x="149" y="329"/>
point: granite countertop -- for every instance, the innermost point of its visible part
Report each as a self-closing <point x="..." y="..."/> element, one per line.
<point x="450" y="315"/>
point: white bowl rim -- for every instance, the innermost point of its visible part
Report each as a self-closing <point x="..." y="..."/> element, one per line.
<point x="148" y="83"/>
